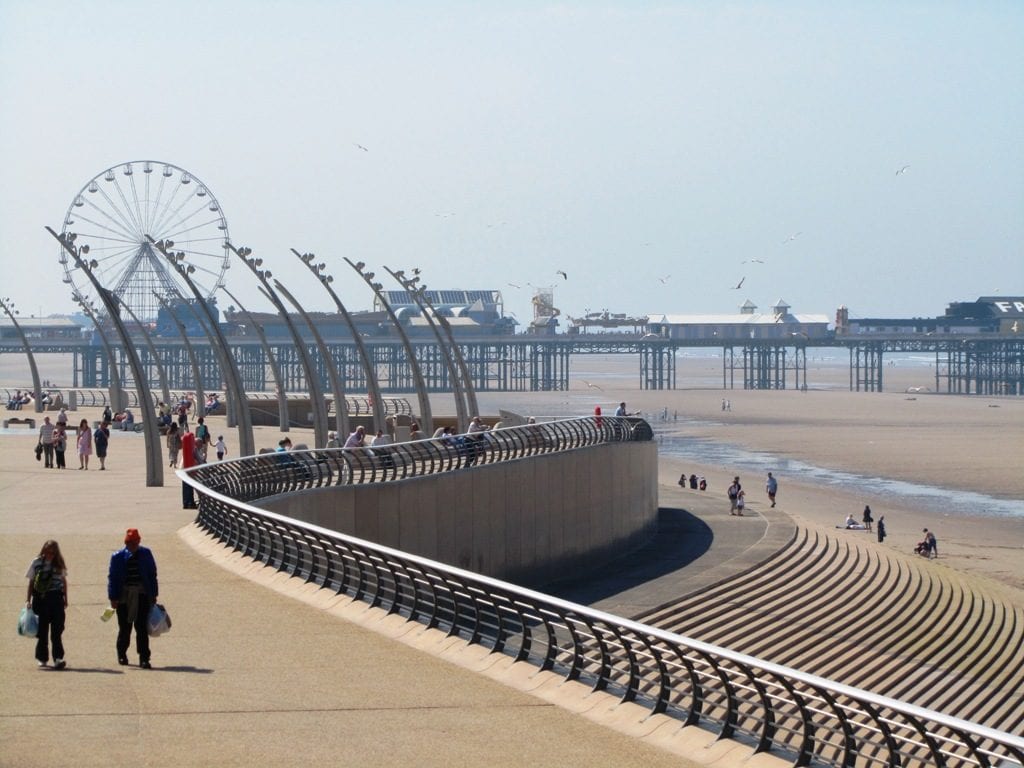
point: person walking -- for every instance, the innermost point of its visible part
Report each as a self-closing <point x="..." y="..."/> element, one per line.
<point x="46" y="440"/>
<point x="132" y="589"/>
<point x="221" y="447"/>
<point x="189" y="458"/>
<point x="60" y="445"/>
<point x="734" y="494"/>
<point x="83" y="442"/>
<point x="48" y="597"/>
<point x="881" y="529"/>
<point x="867" y="519"/>
<point x="101" y="438"/>
<point x="771" y="485"/>
<point x="173" y="444"/>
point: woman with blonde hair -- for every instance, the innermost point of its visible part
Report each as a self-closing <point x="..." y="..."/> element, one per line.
<point x="48" y="597"/>
<point x="84" y="443"/>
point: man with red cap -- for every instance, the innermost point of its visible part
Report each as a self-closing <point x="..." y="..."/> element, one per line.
<point x="132" y="589"/>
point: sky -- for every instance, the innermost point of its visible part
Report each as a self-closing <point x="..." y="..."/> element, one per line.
<point x="656" y="152"/>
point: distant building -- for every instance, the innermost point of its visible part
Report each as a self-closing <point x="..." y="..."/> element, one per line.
<point x="988" y="314"/>
<point x="469" y="313"/>
<point x="779" y="324"/>
<point x="42" y="328"/>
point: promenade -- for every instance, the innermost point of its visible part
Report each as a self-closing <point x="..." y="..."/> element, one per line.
<point x="250" y="676"/>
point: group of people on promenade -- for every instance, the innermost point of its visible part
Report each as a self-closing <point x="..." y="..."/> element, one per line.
<point x="132" y="589"/>
<point x="199" y="446"/>
<point x="54" y="439"/>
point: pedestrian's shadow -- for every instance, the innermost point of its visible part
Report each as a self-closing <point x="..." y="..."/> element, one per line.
<point x="86" y="670"/>
<point x="184" y="668"/>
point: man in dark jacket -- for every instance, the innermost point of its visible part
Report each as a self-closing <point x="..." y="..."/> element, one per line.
<point x="132" y="589"/>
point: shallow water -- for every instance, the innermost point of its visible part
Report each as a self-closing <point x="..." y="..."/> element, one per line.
<point x="956" y="502"/>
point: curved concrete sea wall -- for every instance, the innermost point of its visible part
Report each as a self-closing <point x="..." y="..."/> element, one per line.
<point x="527" y="521"/>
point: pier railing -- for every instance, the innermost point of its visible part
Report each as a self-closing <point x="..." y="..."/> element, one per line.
<point x="772" y="708"/>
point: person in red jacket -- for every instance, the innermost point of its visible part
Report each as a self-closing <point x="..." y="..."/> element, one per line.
<point x="188" y="459"/>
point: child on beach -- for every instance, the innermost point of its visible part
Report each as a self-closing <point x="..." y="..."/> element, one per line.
<point x="221" y="448"/>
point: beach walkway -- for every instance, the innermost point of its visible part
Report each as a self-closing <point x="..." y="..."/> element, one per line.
<point x="248" y="675"/>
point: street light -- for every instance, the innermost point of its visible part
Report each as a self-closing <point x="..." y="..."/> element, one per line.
<point x="316" y="397"/>
<point x="426" y="418"/>
<point x="275" y="370"/>
<point x="161" y="372"/>
<point x="237" y="402"/>
<point x="453" y="374"/>
<point x="197" y="373"/>
<point x="337" y="388"/>
<point x="150" y="428"/>
<point x="460" y="360"/>
<point x="11" y="311"/>
<point x="369" y="370"/>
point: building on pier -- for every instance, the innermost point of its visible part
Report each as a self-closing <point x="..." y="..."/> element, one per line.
<point x="988" y="314"/>
<point x="779" y="324"/>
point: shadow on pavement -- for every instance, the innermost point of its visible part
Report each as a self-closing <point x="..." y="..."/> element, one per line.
<point x="681" y="538"/>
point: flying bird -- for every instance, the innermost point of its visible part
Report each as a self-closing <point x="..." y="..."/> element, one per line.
<point x="753" y="261"/>
<point x="664" y="279"/>
<point x="593" y="386"/>
<point x="360" y="146"/>
<point x="800" y="333"/>
<point x="791" y="238"/>
<point x="739" y="284"/>
<point x="903" y="170"/>
<point x="514" y="285"/>
<point x="562" y="273"/>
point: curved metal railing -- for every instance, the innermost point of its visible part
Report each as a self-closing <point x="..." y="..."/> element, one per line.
<point x="768" y="706"/>
<point x="255" y="477"/>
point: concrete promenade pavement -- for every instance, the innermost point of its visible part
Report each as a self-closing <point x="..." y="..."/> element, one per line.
<point x="251" y="676"/>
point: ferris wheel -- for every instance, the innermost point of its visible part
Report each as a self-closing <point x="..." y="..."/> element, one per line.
<point x="117" y="212"/>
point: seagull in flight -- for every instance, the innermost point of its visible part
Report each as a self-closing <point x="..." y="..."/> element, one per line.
<point x="515" y="286"/>
<point x="562" y="273"/>
<point x="753" y="261"/>
<point x="791" y="238"/>
<point x="664" y="279"/>
<point x="739" y="284"/>
<point x="903" y="170"/>
<point x="800" y="333"/>
<point x="360" y="146"/>
<point x="593" y="386"/>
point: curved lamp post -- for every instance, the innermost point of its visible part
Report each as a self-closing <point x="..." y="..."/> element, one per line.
<point x="197" y="372"/>
<point x="236" y="392"/>
<point x="467" y="378"/>
<point x="150" y="428"/>
<point x="316" y="395"/>
<point x="337" y="388"/>
<point x="369" y="371"/>
<point x="11" y="311"/>
<point x="453" y="374"/>
<point x="426" y="418"/>
<point x="275" y="370"/>
<point x="117" y="398"/>
<point x="160" y="371"/>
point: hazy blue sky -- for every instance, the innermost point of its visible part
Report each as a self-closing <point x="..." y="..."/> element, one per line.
<point x="620" y="141"/>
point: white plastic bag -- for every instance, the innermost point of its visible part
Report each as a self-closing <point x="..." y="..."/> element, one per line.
<point x="28" y="623"/>
<point x="159" y="620"/>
